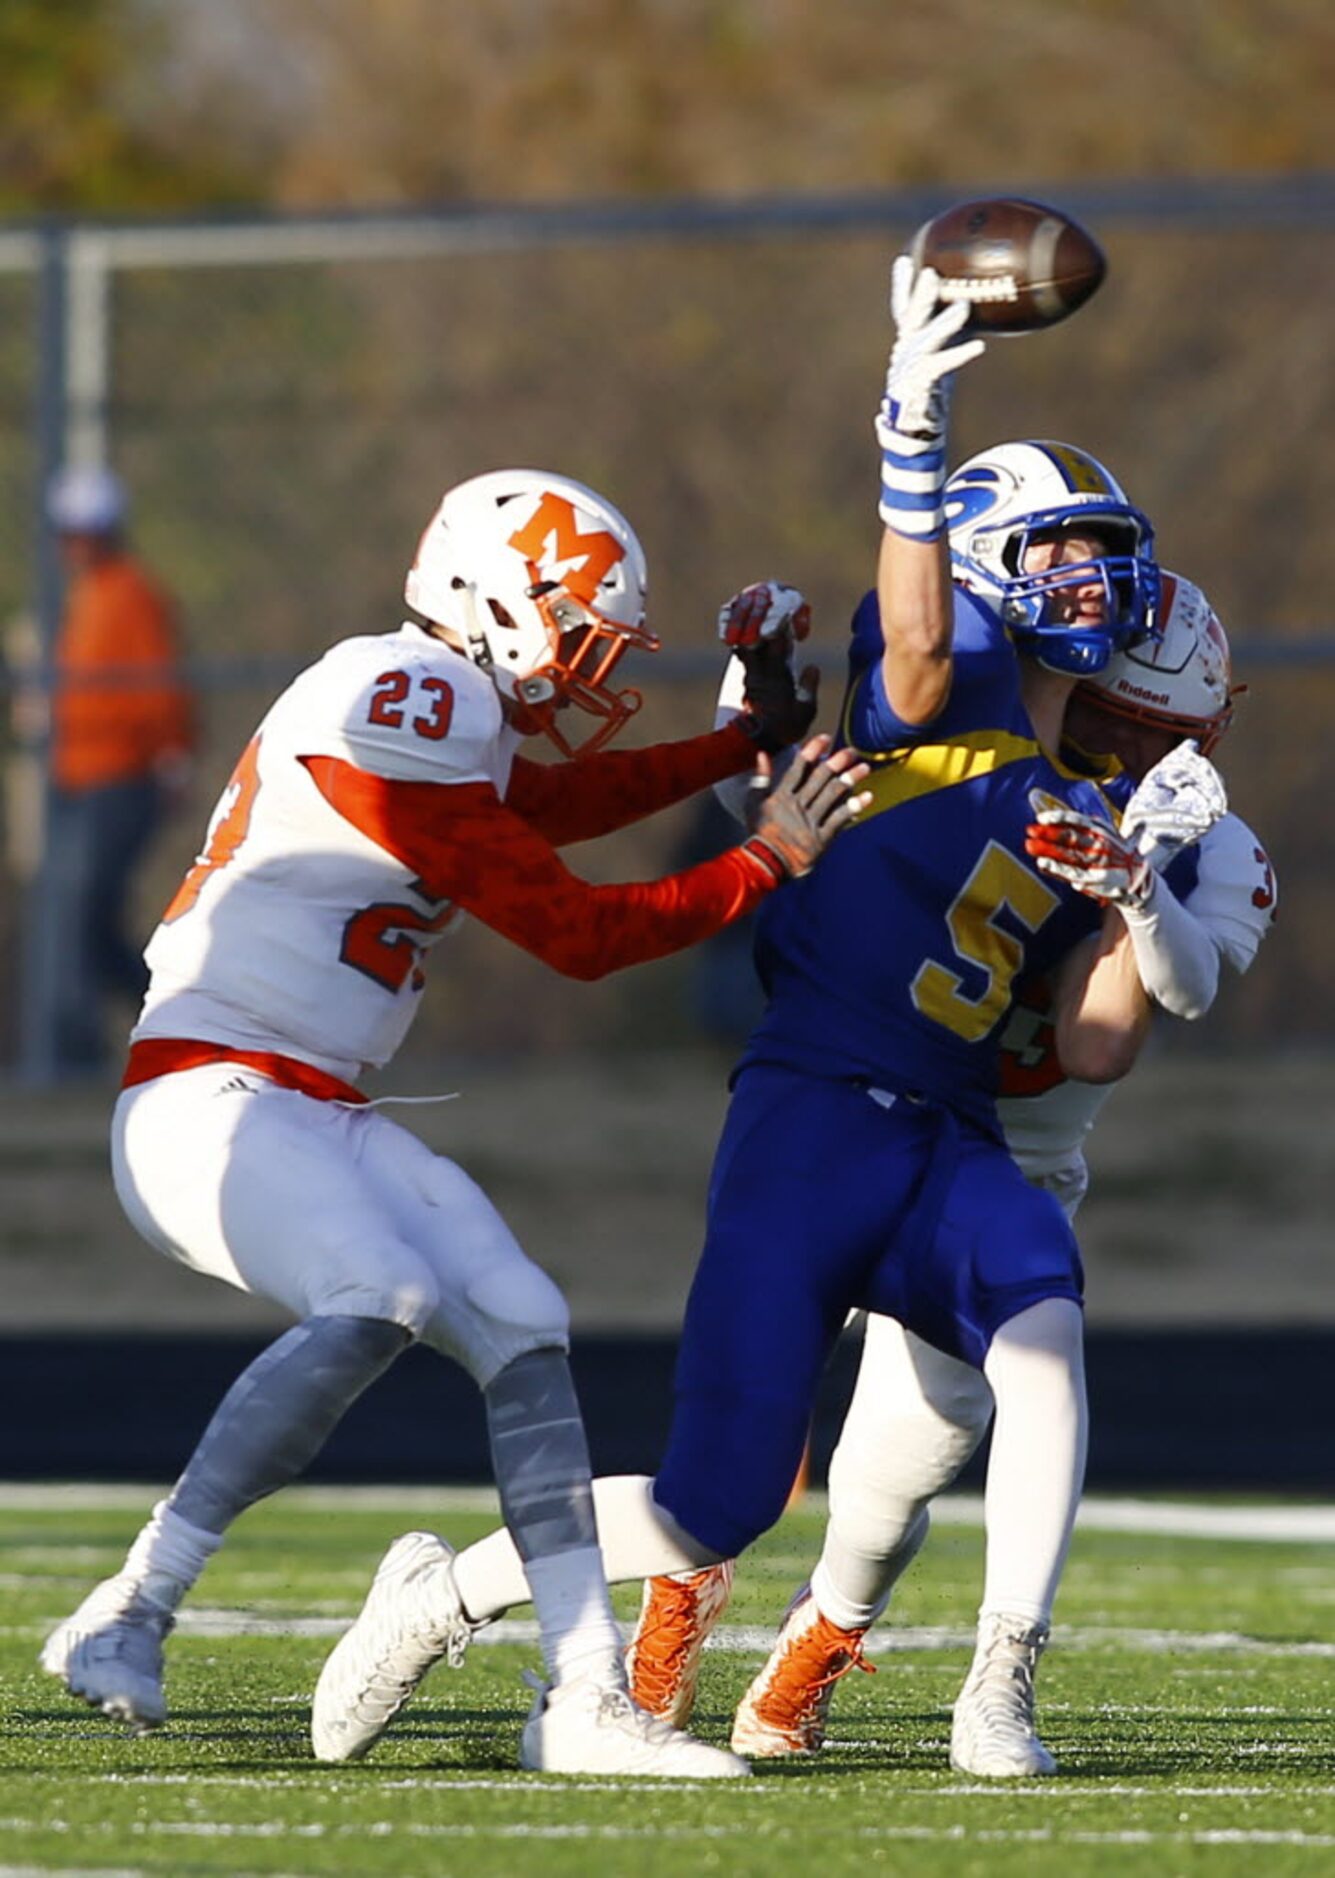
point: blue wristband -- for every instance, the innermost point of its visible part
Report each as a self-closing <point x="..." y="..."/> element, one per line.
<point x="913" y="480"/>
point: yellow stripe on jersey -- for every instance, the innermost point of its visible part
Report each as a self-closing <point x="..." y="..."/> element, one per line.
<point x="919" y="769"/>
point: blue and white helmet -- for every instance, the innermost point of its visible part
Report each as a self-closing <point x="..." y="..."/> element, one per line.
<point x="1002" y="500"/>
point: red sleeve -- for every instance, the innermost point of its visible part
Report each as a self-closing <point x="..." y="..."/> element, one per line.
<point x="465" y="845"/>
<point x="594" y="795"/>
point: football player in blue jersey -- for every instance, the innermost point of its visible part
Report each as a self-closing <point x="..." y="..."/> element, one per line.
<point x="861" y="1164"/>
<point x="1194" y="890"/>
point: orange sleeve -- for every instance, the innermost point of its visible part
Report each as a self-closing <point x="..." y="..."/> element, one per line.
<point x="467" y="846"/>
<point x="594" y="795"/>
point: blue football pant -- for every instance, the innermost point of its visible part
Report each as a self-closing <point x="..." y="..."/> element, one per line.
<point x="823" y="1201"/>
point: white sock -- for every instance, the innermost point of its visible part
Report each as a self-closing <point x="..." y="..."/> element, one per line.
<point x="915" y="1417"/>
<point x="579" y="1633"/>
<point x="851" y="1589"/>
<point x="1037" y="1466"/>
<point x="168" y="1556"/>
<point x="637" y="1538"/>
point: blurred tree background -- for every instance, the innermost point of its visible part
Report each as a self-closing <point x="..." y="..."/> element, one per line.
<point x="127" y="105"/>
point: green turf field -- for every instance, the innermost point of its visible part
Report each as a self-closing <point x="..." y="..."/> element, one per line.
<point x="1189" y="1700"/>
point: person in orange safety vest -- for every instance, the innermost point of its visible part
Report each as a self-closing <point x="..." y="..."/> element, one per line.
<point x="121" y="738"/>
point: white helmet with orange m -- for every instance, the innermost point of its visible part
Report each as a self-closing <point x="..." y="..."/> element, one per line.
<point x="1181" y="682"/>
<point x="541" y="583"/>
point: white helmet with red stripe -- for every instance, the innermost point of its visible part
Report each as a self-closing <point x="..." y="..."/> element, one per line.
<point x="1180" y="681"/>
<point x="541" y="582"/>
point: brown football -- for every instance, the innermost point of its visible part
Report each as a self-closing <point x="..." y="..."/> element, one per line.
<point x="1021" y="265"/>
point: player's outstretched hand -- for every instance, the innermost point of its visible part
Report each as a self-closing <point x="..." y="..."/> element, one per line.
<point x="924" y="356"/>
<point x="1177" y="802"/>
<point x="761" y="624"/>
<point x="802" y="813"/>
<point x="1092" y="855"/>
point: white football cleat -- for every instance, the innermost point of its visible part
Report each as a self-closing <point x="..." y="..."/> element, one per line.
<point x="589" y="1727"/>
<point x="412" y="1618"/>
<point x="109" y="1653"/>
<point x="993" y="1731"/>
<point x="787" y="1705"/>
<point x="677" y="1613"/>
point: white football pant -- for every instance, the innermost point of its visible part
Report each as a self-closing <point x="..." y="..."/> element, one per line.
<point x="327" y="1209"/>
<point x="916" y="1417"/>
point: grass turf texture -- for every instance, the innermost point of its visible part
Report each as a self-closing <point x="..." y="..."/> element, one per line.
<point x="1188" y="1700"/>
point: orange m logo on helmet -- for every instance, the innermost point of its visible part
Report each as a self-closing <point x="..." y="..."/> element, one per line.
<point x="595" y="553"/>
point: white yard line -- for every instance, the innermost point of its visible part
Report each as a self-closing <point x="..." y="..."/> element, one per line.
<point x="40" y="1496"/>
<point x="1275" y="1523"/>
<point x="1072" y="1787"/>
<point x="1279" y="1524"/>
<point x="757" y="1639"/>
<point x="1174" y="1519"/>
<point x="70" y="1871"/>
<point x="382" y="1829"/>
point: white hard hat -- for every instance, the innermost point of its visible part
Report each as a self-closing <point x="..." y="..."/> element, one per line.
<point x="86" y="500"/>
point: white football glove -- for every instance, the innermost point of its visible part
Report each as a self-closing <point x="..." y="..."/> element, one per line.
<point x="911" y="423"/>
<point x="1177" y="802"/>
<point x="922" y="358"/>
<point x="1092" y="855"/>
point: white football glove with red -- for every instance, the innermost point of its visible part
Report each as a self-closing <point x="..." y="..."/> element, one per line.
<point x="767" y="609"/>
<point x="1092" y="855"/>
<point x="1177" y="802"/>
<point x="911" y="423"/>
<point x="1176" y="956"/>
<point x="762" y="624"/>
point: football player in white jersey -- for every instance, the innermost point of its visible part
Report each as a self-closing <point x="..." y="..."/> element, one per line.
<point x="917" y="1415"/>
<point x="382" y="797"/>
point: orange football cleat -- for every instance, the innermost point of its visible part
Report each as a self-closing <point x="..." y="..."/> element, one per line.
<point x="785" y="1709"/>
<point x="677" y="1614"/>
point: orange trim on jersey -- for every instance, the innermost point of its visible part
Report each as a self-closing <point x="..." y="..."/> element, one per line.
<point x="164" y="1056"/>
<point x="226" y="833"/>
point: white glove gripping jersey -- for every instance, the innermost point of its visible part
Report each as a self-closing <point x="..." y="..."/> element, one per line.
<point x="1044" y="1116"/>
<point x="294" y="932"/>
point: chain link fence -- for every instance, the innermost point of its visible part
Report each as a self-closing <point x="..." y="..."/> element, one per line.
<point x="287" y="400"/>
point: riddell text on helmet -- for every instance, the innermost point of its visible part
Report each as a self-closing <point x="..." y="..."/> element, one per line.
<point x="1142" y="692"/>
